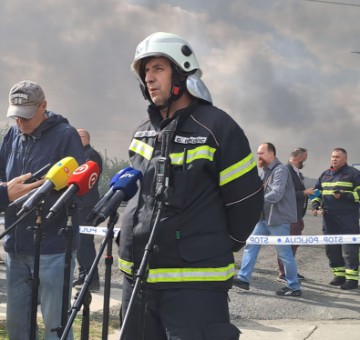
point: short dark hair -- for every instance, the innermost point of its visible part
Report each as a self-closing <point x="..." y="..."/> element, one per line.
<point x="298" y="151"/>
<point x="341" y="150"/>
<point x="271" y="147"/>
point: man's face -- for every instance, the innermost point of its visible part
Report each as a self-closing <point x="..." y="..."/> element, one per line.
<point x="158" y="80"/>
<point x="28" y="126"/>
<point x="299" y="161"/>
<point x="83" y="136"/>
<point x="338" y="159"/>
<point x="265" y="157"/>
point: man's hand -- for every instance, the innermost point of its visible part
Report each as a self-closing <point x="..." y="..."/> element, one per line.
<point x="337" y="194"/>
<point x="309" y="191"/>
<point x="16" y="187"/>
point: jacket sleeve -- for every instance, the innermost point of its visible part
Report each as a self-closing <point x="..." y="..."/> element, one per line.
<point x="354" y="194"/>
<point x="240" y="184"/>
<point x="276" y="189"/>
<point x="4" y="200"/>
<point x="317" y="200"/>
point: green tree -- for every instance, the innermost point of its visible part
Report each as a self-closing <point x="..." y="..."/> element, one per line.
<point x="110" y="168"/>
<point x="3" y="132"/>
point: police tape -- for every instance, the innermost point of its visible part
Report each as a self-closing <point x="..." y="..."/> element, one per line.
<point x="303" y="240"/>
<point x="97" y="231"/>
<point x="308" y="240"/>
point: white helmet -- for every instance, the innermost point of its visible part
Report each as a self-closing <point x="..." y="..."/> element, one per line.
<point x="180" y="53"/>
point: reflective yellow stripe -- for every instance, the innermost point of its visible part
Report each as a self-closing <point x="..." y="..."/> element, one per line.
<point x="337" y="184"/>
<point x="141" y="148"/>
<point x="125" y="266"/>
<point x="331" y="192"/>
<point x="191" y="274"/>
<point x="351" y="274"/>
<point x="237" y="170"/>
<point x="201" y="152"/>
<point x="356" y="196"/>
<point x="338" y="271"/>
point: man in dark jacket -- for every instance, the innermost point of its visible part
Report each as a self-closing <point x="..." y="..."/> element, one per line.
<point x="39" y="137"/>
<point x="296" y="163"/>
<point x="16" y="188"/>
<point x="87" y="252"/>
<point x="339" y="200"/>
<point x="212" y="200"/>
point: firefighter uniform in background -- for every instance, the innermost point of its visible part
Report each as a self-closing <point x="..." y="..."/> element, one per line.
<point x="341" y="216"/>
<point x="214" y="201"/>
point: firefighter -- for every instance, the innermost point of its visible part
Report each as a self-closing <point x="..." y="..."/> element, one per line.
<point x="213" y="200"/>
<point x="339" y="199"/>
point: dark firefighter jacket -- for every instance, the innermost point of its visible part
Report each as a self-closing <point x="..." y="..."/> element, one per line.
<point x="347" y="180"/>
<point x="214" y="202"/>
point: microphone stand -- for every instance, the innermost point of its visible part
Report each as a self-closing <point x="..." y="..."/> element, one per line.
<point x="35" y="277"/>
<point x="113" y="218"/>
<point x="12" y="226"/>
<point x="161" y="195"/>
<point x="68" y="231"/>
<point x="109" y="260"/>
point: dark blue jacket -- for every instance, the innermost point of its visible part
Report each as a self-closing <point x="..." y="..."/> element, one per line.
<point x="4" y="200"/>
<point x="53" y="140"/>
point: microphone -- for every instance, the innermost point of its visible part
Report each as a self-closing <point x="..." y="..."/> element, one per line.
<point x="80" y="182"/>
<point x="124" y="189"/>
<point x="20" y="201"/>
<point x="34" y="177"/>
<point x="99" y="205"/>
<point x="56" y="178"/>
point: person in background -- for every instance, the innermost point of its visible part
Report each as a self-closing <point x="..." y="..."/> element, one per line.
<point x="279" y="212"/>
<point x="212" y="201"/>
<point x="296" y="163"/>
<point x="16" y="188"/>
<point x="38" y="138"/>
<point x="340" y="191"/>
<point x="87" y="252"/>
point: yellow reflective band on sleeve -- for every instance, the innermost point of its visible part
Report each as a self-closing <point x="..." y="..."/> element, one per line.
<point x="191" y="274"/>
<point x="237" y="170"/>
<point x="331" y="192"/>
<point x="356" y="196"/>
<point x="336" y="184"/>
<point x="141" y="148"/>
<point x="201" y="152"/>
<point x="125" y="266"/>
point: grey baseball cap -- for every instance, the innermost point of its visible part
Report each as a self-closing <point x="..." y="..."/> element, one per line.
<point x="24" y="98"/>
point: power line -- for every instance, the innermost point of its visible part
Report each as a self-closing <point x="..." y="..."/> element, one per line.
<point x="335" y="3"/>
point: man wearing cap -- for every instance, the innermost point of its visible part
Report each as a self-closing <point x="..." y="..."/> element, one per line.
<point x="197" y="162"/>
<point x="39" y="137"/>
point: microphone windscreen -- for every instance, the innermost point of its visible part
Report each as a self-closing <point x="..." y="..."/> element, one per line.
<point x="85" y="177"/>
<point x="128" y="183"/>
<point x="61" y="171"/>
<point x="118" y="174"/>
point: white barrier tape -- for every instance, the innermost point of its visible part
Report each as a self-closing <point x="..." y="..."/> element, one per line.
<point x="97" y="231"/>
<point x="258" y="239"/>
<point x="304" y="240"/>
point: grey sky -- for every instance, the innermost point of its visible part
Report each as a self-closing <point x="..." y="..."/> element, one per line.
<point x="283" y="69"/>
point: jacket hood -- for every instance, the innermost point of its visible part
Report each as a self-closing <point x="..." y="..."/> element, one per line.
<point x="53" y="119"/>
